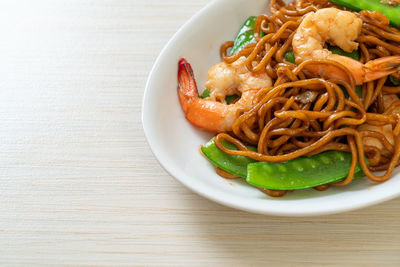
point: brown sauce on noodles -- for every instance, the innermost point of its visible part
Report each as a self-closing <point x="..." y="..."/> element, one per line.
<point x="284" y="127"/>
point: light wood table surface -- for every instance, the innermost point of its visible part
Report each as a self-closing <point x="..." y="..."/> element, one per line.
<point x="79" y="184"/>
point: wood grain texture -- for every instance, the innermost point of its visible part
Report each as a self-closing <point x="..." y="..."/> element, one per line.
<point x="80" y="186"/>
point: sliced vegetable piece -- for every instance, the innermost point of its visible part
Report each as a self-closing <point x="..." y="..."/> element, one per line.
<point x="205" y="94"/>
<point x="358" y="90"/>
<point x="303" y="172"/>
<point x="233" y="164"/>
<point x="230" y="98"/>
<point x="392" y="12"/>
<point x="394" y="80"/>
<point x="289" y="56"/>
<point x="245" y="35"/>
<point x="355" y="54"/>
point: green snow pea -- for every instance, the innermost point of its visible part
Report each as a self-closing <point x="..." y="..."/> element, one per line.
<point x="245" y="35"/>
<point x="355" y="54"/>
<point x="205" y="94"/>
<point x="358" y="91"/>
<point x="303" y="172"/>
<point x="392" y="12"/>
<point x="289" y="56"/>
<point x="394" y="80"/>
<point x="229" y="99"/>
<point x="236" y="165"/>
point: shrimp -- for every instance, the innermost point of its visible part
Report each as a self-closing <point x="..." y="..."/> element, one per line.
<point x="340" y="28"/>
<point x="223" y="79"/>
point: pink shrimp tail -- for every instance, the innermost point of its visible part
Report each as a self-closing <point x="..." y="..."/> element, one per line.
<point x="205" y="114"/>
<point x="381" y="67"/>
<point x="370" y="71"/>
<point x="187" y="88"/>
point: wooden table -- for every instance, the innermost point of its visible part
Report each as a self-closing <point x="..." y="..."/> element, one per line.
<point x="79" y="185"/>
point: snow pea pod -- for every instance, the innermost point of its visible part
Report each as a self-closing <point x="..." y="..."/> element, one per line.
<point x="236" y="165"/>
<point x="303" y="172"/>
<point x="392" y="12"/>
<point x="205" y="94"/>
<point x="355" y="54"/>
<point x="289" y="56"/>
<point x="245" y="35"/>
<point x="229" y="98"/>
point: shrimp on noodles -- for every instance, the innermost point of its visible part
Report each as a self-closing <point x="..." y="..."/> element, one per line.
<point x="301" y="96"/>
<point x="223" y="79"/>
<point x="340" y="28"/>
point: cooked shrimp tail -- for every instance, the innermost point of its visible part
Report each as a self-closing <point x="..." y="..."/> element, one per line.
<point x="203" y="113"/>
<point x="209" y="114"/>
<point x="372" y="70"/>
<point x="381" y="67"/>
<point x="187" y="88"/>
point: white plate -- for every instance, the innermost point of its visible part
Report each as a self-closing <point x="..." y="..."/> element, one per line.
<point x="175" y="142"/>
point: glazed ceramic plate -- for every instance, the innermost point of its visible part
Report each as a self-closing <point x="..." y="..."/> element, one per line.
<point x="175" y="142"/>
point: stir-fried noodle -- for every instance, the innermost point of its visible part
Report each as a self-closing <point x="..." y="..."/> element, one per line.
<point x="300" y="115"/>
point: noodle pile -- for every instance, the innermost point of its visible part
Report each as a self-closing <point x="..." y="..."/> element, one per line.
<point x="302" y="116"/>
